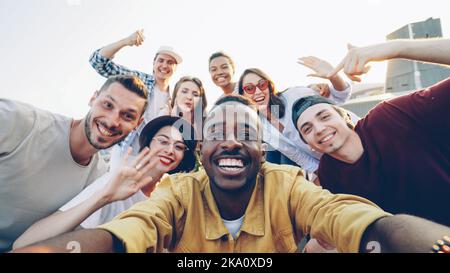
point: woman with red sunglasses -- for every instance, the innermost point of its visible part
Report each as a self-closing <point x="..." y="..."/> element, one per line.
<point x="276" y="107"/>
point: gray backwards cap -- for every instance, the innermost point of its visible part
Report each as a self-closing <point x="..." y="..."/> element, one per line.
<point x="304" y="103"/>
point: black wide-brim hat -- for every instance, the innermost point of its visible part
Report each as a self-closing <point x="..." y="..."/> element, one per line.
<point x="187" y="132"/>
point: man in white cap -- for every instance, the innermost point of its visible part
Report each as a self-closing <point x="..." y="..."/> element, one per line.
<point x="164" y="65"/>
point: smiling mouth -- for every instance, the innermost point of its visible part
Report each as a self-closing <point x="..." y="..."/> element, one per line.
<point x="221" y="79"/>
<point x="165" y="160"/>
<point x="231" y="166"/>
<point x="104" y="131"/>
<point x="259" y="99"/>
<point x="165" y="72"/>
<point x="327" y="138"/>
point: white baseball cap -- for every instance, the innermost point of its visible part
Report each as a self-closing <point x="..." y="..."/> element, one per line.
<point x="171" y="52"/>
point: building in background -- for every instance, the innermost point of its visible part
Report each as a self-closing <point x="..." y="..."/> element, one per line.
<point x="402" y="76"/>
<point x="365" y="96"/>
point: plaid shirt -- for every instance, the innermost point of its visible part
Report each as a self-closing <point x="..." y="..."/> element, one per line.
<point x="106" y="67"/>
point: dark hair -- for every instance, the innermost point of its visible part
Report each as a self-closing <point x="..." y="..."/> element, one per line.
<point x="274" y="99"/>
<point x="132" y="83"/>
<point x="222" y="54"/>
<point x="236" y="98"/>
<point x="156" y="57"/>
<point x="187" y="164"/>
<point x="197" y="82"/>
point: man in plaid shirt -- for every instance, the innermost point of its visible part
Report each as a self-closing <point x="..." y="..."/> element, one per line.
<point x="164" y="65"/>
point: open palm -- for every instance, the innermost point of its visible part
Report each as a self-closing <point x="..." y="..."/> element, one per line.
<point x="320" y="67"/>
<point x="129" y="179"/>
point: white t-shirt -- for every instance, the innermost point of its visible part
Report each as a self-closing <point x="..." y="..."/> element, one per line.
<point x="234" y="226"/>
<point x="37" y="171"/>
<point x="108" y="212"/>
<point x="157" y="105"/>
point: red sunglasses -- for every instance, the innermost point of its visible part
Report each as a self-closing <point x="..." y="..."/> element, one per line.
<point x="251" y="88"/>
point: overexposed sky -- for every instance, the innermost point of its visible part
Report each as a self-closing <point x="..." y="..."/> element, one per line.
<point x="45" y="45"/>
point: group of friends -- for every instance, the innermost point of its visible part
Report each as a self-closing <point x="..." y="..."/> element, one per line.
<point x="258" y="172"/>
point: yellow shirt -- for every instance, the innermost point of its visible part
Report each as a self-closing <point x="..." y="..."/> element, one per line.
<point x="182" y="216"/>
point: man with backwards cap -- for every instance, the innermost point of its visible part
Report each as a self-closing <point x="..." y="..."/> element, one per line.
<point x="164" y="65"/>
<point x="397" y="156"/>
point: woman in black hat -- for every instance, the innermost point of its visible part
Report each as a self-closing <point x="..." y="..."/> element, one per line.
<point x="167" y="146"/>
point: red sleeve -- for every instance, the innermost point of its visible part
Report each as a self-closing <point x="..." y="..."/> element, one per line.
<point x="429" y="107"/>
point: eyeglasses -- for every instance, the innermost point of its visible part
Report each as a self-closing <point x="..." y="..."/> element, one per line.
<point x="251" y="88"/>
<point x="179" y="147"/>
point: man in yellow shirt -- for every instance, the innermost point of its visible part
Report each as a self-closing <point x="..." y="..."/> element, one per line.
<point x="238" y="203"/>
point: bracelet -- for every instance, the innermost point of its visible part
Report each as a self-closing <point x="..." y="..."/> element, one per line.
<point x="441" y="246"/>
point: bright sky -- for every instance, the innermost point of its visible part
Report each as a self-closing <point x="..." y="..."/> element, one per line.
<point x="45" y="45"/>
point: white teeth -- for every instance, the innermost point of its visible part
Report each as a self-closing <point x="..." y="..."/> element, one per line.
<point x="259" y="99"/>
<point x="327" y="138"/>
<point x="103" y="130"/>
<point x="231" y="162"/>
<point x="221" y="80"/>
<point x="166" y="160"/>
<point x="230" y="168"/>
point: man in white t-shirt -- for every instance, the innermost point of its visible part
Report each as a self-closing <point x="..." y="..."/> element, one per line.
<point x="46" y="159"/>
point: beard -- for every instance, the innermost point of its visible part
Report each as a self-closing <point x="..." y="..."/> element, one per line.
<point x="91" y="139"/>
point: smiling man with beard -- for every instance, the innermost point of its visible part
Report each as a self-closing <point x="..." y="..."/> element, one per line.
<point x="239" y="203"/>
<point x="46" y="159"/>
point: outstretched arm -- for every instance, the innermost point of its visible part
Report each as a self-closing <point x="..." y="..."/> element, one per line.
<point x="121" y="184"/>
<point x="149" y="226"/>
<point x="429" y="50"/>
<point x="402" y="233"/>
<point x="355" y="224"/>
<point x="86" y="240"/>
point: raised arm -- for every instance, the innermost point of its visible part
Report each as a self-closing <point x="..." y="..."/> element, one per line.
<point x="355" y="62"/>
<point x="101" y="59"/>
